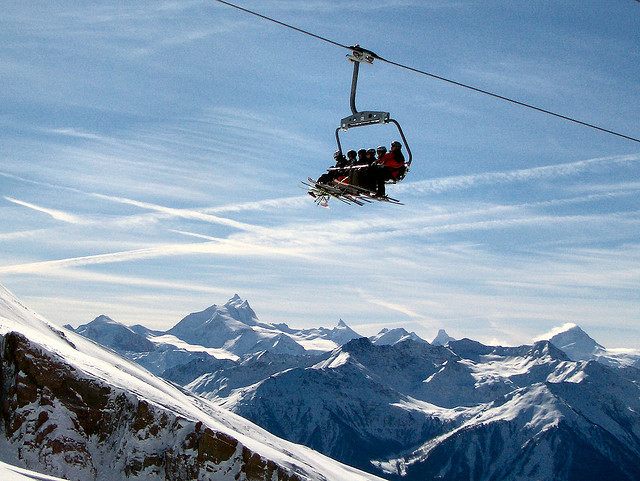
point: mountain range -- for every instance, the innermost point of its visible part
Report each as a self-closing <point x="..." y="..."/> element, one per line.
<point x="205" y="340"/>
<point x="399" y="407"/>
<point x="76" y="410"/>
<point x="415" y="411"/>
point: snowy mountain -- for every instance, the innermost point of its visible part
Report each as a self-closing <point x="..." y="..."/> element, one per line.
<point x="115" y="335"/>
<point x="394" y="336"/>
<point x="403" y="409"/>
<point x="73" y="409"/>
<point x="415" y="411"/>
<point x="579" y="346"/>
<point x="442" y="338"/>
<point x="235" y="328"/>
<point x="344" y="405"/>
<point x="204" y="341"/>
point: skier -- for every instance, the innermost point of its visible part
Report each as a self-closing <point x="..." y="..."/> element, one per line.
<point x="331" y="174"/>
<point x="392" y="166"/>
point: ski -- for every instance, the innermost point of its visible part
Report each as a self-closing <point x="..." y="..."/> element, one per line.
<point x="322" y="191"/>
<point x="347" y="193"/>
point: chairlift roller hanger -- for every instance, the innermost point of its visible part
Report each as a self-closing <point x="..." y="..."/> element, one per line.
<point x="367" y="117"/>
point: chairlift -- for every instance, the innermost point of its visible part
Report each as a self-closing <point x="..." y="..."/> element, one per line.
<point x="346" y="192"/>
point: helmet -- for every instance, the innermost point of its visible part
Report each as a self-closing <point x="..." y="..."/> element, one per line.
<point x="395" y="143"/>
<point x="337" y="154"/>
<point x="351" y="153"/>
<point x="362" y="151"/>
<point x="381" y="148"/>
<point x="371" y="151"/>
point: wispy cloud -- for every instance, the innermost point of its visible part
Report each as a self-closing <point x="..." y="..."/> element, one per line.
<point x="70" y="272"/>
<point x="74" y="133"/>
<point x="519" y="175"/>
<point x="56" y="214"/>
<point x="222" y="247"/>
<point x="392" y="306"/>
<point x="28" y="234"/>
<point x="184" y="213"/>
<point x="323" y="5"/>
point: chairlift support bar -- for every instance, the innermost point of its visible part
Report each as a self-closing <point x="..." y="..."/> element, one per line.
<point x="361" y="55"/>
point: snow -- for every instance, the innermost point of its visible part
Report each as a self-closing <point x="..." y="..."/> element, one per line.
<point x="339" y="359"/>
<point x="13" y="473"/>
<point x="538" y="400"/>
<point x="106" y="365"/>
<point x="555" y="331"/>
<point x="180" y="344"/>
<point x="314" y="344"/>
<point x="444" y="414"/>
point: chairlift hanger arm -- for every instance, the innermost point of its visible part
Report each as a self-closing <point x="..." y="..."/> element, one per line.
<point x="358" y="56"/>
<point x="358" y="119"/>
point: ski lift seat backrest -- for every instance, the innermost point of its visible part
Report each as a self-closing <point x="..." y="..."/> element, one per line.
<point x="403" y="172"/>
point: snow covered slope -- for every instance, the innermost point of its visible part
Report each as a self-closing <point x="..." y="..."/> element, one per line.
<point x="74" y="409"/>
<point x="13" y="473"/>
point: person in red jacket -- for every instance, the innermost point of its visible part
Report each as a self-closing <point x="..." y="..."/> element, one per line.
<point x="391" y="165"/>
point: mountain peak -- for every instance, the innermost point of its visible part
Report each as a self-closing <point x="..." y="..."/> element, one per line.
<point x="359" y="344"/>
<point x="240" y="310"/>
<point x="103" y="319"/>
<point x="216" y="325"/>
<point x="575" y="343"/>
<point x="442" y="338"/>
<point x="115" y="335"/>
<point x="394" y="336"/>
<point x="236" y="300"/>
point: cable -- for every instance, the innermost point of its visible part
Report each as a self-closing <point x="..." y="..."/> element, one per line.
<point x="437" y="77"/>
<point x="264" y="17"/>
<point x="507" y="99"/>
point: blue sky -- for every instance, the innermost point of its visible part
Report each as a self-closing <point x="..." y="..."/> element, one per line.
<point x="151" y="156"/>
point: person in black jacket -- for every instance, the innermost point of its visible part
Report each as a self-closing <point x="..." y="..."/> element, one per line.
<point x="330" y="175"/>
